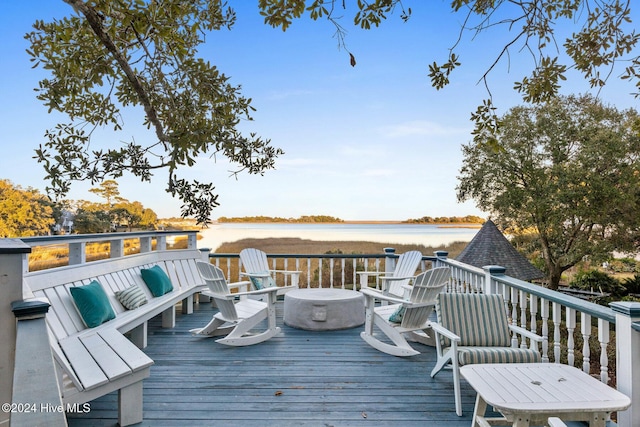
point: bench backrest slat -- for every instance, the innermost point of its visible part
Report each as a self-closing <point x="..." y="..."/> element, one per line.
<point x="114" y="275"/>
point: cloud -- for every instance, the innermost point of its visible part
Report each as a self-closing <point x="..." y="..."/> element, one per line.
<point x="420" y="128"/>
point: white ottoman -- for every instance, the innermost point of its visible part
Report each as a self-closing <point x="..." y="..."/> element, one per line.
<point x="323" y="309"/>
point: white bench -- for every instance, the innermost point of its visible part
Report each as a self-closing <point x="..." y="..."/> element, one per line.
<point x="96" y="361"/>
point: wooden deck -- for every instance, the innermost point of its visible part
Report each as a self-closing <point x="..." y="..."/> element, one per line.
<point x="297" y="378"/>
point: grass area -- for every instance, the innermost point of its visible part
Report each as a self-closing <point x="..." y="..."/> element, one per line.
<point x="301" y="246"/>
<point x="43" y="257"/>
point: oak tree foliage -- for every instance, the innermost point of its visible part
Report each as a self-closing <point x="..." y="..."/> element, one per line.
<point x="111" y="55"/>
<point x="568" y="171"/>
<point x="24" y="212"/>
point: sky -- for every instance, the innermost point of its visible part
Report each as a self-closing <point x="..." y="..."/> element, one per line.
<point x="370" y="142"/>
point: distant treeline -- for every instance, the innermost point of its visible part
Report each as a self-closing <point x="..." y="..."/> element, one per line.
<point x="469" y="219"/>
<point x="302" y="219"/>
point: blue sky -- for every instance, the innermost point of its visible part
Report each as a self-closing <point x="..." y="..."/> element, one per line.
<point x="371" y="142"/>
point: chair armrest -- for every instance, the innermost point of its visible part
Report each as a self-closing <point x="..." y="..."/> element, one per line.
<point x="370" y="273"/>
<point x="262" y="291"/>
<point x="286" y="271"/>
<point x="237" y="285"/>
<point x="526" y="333"/>
<point x="439" y="329"/>
<point x="264" y="275"/>
<point x="372" y="293"/>
<point x="394" y="278"/>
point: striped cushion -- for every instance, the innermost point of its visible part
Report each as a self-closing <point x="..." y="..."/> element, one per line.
<point x="131" y="298"/>
<point x="468" y="355"/>
<point x="478" y="319"/>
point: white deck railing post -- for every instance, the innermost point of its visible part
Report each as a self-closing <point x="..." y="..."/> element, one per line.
<point x="77" y="253"/>
<point x="13" y="264"/>
<point x="34" y="377"/>
<point x="440" y="255"/>
<point x="116" y="248"/>
<point x="390" y="260"/>
<point x="490" y="286"/>
<point x="628" y="360"/>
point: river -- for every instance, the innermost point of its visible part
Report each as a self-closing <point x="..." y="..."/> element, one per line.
<point x="425" y="234"/>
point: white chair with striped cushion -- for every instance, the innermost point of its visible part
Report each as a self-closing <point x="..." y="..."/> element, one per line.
<point x="473" y="328"/>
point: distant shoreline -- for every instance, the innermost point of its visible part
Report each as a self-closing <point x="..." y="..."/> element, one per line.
<point x="363" y="222"/>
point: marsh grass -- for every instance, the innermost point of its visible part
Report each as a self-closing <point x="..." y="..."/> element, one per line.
<point x="301" y="246"/>
<point x="43" y="257"/>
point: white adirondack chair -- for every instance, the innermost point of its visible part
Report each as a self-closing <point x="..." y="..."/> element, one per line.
<point x="236" y="318"/>
<point x="404" y="316"/>
<point x="394" y="283"/>
<point x="256" y="268"/>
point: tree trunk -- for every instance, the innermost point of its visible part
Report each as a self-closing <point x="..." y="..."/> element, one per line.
<point x="555" y="274"/>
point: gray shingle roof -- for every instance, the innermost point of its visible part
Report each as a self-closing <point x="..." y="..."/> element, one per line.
<point x="490" y="247"/>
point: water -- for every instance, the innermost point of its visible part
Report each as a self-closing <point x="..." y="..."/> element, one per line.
<point x="421" y="234"/>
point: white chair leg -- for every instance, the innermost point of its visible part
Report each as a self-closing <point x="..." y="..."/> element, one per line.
<point x="213" y="328"/>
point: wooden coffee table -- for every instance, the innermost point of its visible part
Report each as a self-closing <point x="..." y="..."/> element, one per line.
<point x="528" y="393"/>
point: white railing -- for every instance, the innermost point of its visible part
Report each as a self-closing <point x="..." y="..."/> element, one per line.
<point x="567" y="324"/>
<point x="82" y="248"/>
<point x="562" y="320"/>
<point x="319" y="270"/>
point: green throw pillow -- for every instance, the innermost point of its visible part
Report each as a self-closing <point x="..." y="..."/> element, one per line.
<point x="396" y="316"/>
<point x="157" y="280"/>
<point x="93" y="304"/>
<point x="132" y="297"/>
<point x="260" y="283"/>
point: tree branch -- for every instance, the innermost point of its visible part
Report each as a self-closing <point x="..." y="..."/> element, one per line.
<point x="95" y="22"/>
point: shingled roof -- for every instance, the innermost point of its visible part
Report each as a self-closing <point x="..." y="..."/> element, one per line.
<point x="490" y="247"/>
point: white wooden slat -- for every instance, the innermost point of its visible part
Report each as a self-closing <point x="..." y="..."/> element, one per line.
<point x="50" y="278"/>
<point x="110" y="285"/>
<point x="135" y="358"/>
<point x="109" y="361"/>
<point x="190" y="279"/>
<point x="61" y="359"/>
<point x="53" y="321"/>
<point x="169" y="268"/>
<point x="248" y="307"/>
<point x="62" y="314"/>
<point x="84" y="366"/>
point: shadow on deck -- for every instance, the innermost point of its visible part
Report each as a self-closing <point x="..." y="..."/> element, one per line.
<point x="298" y="378"/>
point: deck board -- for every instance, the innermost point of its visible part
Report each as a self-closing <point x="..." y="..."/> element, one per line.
<point x="297" y="378"/>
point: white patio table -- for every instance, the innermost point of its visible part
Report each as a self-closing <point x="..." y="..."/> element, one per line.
<point x="528" y="393"/>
